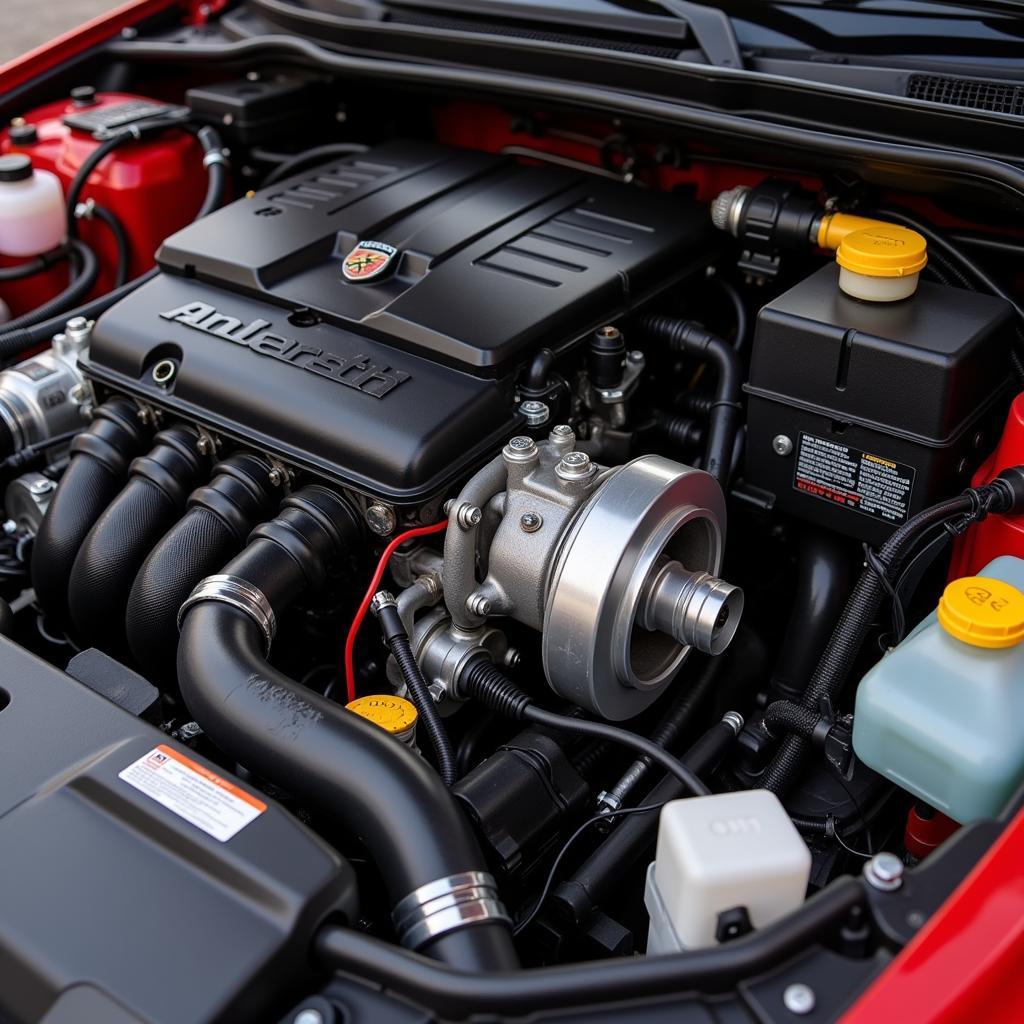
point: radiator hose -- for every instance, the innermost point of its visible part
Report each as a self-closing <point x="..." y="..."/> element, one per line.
<point x="113" y="550"/>
<point x="100" y="457"/>
<point x="215" y="528"/>
<point x="684" y="336"/>
<point x="326" y="756"/>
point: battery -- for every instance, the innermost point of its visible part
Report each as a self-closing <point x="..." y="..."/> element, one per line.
<point x="863" y="413"/>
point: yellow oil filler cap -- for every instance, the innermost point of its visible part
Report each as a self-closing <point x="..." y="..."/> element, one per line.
<point x="983" y="612"/>
<point x="881" y="263"/>
<point x="395" y="715"/>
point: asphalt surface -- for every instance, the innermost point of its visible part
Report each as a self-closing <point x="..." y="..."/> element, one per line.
<point x="25" y="24"/>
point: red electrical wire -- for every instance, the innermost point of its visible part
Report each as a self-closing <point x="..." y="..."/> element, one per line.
<point x="350" y="640"/>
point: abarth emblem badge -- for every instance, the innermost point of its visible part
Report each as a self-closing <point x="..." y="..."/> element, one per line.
<point x="367" y="260"/>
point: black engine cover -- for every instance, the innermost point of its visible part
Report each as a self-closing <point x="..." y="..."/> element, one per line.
<point x="397" y="382"/>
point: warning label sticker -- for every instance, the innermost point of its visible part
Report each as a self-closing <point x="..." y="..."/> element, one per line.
<point x="847" y="476"/>
<point x="220" y="808"/>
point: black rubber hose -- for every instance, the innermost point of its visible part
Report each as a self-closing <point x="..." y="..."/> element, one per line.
<point x="318" y="154"/>
<point x="686" y="336"/>
<point x="220" y="516"/>
<point x="385" y="610"/>
<point x="671" y="726"/>
<point x="84" y="278"/>
<point x="120" y="236"/>
<point x="782" y="716"/>
<point x="459" y="995"/>
<point x="109" y="558"/>
<point x="851" y="630"/>
<point x="100" y="457"/>
<point x="739" y="308"/>
<point x="82" y="175"/>
<point x="324" y="755"/>
<point x="484" y="682"/>
<point x="18" y="340"/>
<point x="824" y="577"/>
<point x="36" y="265"/>
<point x="682" y="431"/>
<point x="601" y="873"/>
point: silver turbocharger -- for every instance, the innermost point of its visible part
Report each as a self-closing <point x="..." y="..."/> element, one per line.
<point x="615" y="567"/>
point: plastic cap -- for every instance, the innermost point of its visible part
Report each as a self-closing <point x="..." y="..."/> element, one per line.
<point x="15" y="167"/>
<point x="983" y="612"/>
<point x="395" y="715"/>
<point x="883" y="251"/>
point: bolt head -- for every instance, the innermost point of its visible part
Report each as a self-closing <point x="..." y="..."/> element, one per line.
<point x="521" y="444"/>
<point x="38" y="487"/>
<point x="799" y="999"/>
<point x="635" y="357"/>
<point x="574" y="466"/>
<point x="531" y="522"/>
<point x="562" y="431"/>
<point x="381" y="519"/>
<point x="309" y="1016"/>
<point x="520" y="449"/>
<point x="782" y="445"/>
<point x="884" y="872"/>
<point x="535" y="412"/>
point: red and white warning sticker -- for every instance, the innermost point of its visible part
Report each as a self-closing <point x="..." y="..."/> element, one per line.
<point x="220" y="808"/>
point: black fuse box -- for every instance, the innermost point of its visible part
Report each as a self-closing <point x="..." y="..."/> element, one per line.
<point x="861" y="414"/>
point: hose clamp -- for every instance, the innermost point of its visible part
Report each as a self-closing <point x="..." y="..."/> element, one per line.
<point x="238" y="593"/>
<point x="216" y="156"/>
<point x="446" y="905"/>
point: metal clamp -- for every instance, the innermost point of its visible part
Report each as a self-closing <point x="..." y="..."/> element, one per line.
<point x="445" y="905"/>
<point x="238" y="593"/>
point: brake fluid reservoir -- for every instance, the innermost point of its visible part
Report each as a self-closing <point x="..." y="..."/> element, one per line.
<point x="31" y="208"/>
<point x="941" y="714"/>
<point x="717" y="855"/>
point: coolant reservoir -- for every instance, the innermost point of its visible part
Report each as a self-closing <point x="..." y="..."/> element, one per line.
<point x="941" y="714"/>
<point x="32" y="218"/>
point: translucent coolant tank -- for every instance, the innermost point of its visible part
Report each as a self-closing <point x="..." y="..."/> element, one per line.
<point x="942" y="715"/>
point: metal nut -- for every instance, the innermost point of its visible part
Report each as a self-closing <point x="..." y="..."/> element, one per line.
<point x="520" y="449"/>
<point x="782" y="445"/>
<point x="574" y="466"/>
<point x="467" y="516"/>
<point x="536" y="413"/>
<point x="381" y="519"/>
<point x="478" y="604"/>
<point x="531" y="522"/>
<point x="884" y="872"/>
<point x="799" y="999"/>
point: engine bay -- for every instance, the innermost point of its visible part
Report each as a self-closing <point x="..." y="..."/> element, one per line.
<point x="451" y="542"/>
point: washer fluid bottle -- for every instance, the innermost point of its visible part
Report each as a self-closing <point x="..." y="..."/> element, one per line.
<point x="942" y="714"/>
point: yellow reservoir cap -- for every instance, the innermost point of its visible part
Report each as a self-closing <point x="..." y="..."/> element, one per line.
<point x="885" y="250"/>
<point x="395" y="715"/>
<point x="983" y="612"/>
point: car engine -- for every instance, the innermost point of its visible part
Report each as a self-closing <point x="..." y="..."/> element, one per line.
<point x="453" y="555"/>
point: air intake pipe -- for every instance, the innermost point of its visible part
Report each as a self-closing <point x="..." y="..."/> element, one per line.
<point x="126" y="532"/>
<point x="100" y="457"/>
<point x="216" y="526"/>
<point x="445" y="904"/>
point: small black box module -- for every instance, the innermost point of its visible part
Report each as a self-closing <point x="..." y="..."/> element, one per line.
<point x="861" y="414"/>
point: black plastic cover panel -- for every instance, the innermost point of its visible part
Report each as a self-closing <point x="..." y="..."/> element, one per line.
<point x="398" y="383"/>
<point x="493" y="258"/>
<point x="114" y="907"/>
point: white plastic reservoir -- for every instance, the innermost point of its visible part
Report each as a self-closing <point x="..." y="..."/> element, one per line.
<point x="32" y="216"/>
<point x="717" y="853"/>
